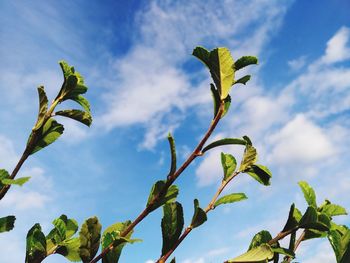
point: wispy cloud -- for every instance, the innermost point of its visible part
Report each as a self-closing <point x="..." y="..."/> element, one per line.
<point x="151" y="82"/>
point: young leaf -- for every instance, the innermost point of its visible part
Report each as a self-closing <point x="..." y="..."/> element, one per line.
<point x="49" y="133"/>
<point x="309" y="217"/>
<point x="309" y="193"/>
<point x="173" y="154"/>
<point x="89" y="235"/>
<point x="220" y="64"/>
<point x="78" y="115"/>
<point x="243" y="80"/>
<point x="312" y="233"/>
<point x="249" y="158"/>
<point x="333" y="210"/>
<point x="262" y="253"/>
<point x="293" y="218"/>
<point x="70" y="249"/>
<point x="172" y="225"/>
<point x="19" y="181"/>
<point x="231" y="198"/>
<point x="43" y="101"/>
<point x="260" y="238"/>
<point x="36" y="245"/>
<point x="216" y="98"/>
<point x="169" y="196"/>
<point x="112" y="235"/>
<point x="81" y="100"/>
<point x="7" y="223"/>
<point x="173" y="260"/>
<point x="245" y="61"/>
<point x="229" y="164"/>
<point x="222" y="142"/>
<point x="3" y="175"/>
<point x="341" y="245"/>
<point x="199" y="216"/>
<point x="260" y="173"/>
<point x="284" y="251"/>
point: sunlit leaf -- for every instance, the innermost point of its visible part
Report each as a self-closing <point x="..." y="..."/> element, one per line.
<point x="260" y="238"/>
<point x="263" y="253"/>
<point x="43" y="104"/>
<point x="220" y="64"/>
<point x="230" y="198"/>
<point x="309" y="193"/>
<point x="19" y="181"/>
<point x="250" y="157"/>
<point x="48" y="134"/>
<point x="78" y="115"/>
<point x="229" y="164"/>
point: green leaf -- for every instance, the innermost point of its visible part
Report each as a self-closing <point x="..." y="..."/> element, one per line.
<point x="248" y="140"/>
<point x="199" y="216"/>
<point x="245" y="61"/>
<point x="222" y="142"/>
<point x="173" y="154"/>
<point x="309" y="193"/>
<point x="216" y="98"/>
<point x="73" y="84"/>
<point x="333" y="210"/>
<point x="43" y="101"/>
<point x="243" y="80"/>
<point x="341" y="245"/>
<point x="173" y="260"/>
<point x="260" y="173"/>
<point x="231" y="198"/>
<point x="284" y="251"/>
<point x="250" y="157"/>
<point x="216" y="101"/>
<point x="49" y="133"/>
<point x="81" y="100"/>
<point x="312" y="233"/>
<point x="19" y="181"/>
<point x="3" y="175"/>
<point x="78" y="115"/>
<point x="70" y="249"/>
<point x="259" y="254"/>
<point x="172" y="225"/>
<point x="112" y="235"/>
<point x="260" y="238"/>
<point x="220" y="64"/>
<point x="229" y="164"/>
<point x="293" y="218"/>
<point x="7" y="223"/>
<point x="89" y="235"/>
<point x="167" y="197"/>
<point x="36" y="245"/>
<point x="310" y="216"/>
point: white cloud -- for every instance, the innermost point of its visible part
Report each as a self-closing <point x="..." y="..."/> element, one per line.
<point x="300" y="141"/>
<point x="8" y="155"/>
<point x="150" y="82"/>
<point x="297" y="64"/>
<point x="337" y="47"/>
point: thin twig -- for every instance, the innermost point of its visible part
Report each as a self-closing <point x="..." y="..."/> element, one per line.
<point x="30" y="146"/>
<point x="170" y="180"/>
<point x="210" y="207"/>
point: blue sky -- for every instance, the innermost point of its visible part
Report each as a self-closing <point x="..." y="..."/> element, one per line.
<point x="143" y="83"/>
